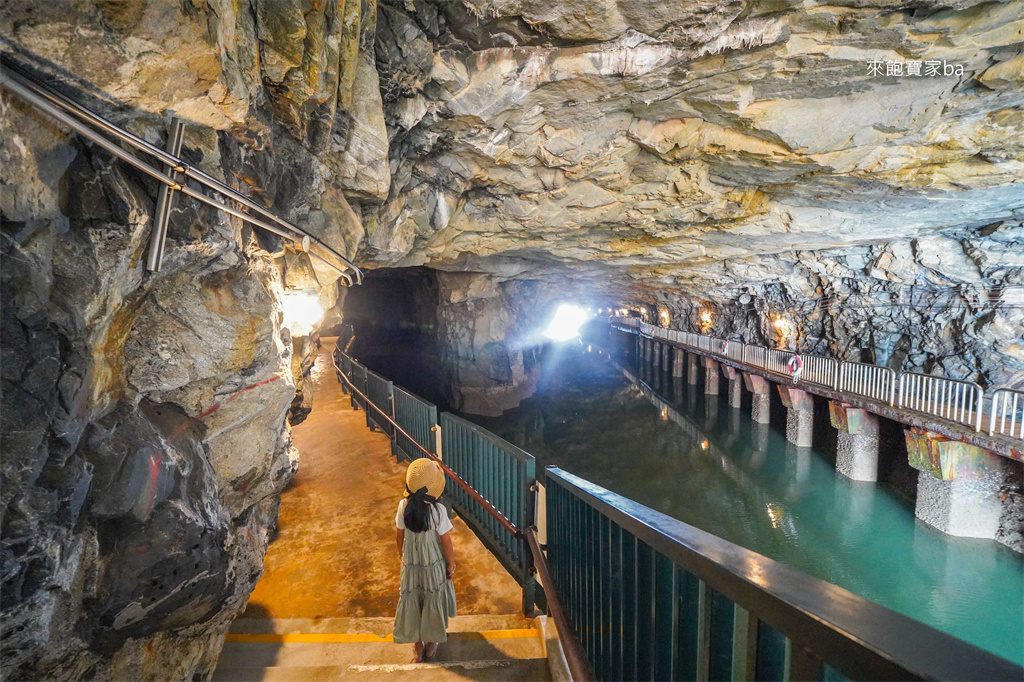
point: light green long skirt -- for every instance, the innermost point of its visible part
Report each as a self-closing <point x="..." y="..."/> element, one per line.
<point x="428" y="597"/>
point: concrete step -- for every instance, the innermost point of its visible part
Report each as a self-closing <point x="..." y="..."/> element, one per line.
<point x="379" y="626"/>
<point x="521" y="670"/>
<point x="491" y="647"/>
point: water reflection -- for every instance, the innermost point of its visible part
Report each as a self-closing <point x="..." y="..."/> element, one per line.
<point x="660" y="441"/>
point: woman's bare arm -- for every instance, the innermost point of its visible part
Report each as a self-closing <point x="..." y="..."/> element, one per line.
<point x="401" y="541"/>
<point x="449" y="553"/>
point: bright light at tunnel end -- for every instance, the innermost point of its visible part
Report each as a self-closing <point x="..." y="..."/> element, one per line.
<point x="566" y="323"/>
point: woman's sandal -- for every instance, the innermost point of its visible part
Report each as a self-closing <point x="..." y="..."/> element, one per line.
<point x="430" y="650"/>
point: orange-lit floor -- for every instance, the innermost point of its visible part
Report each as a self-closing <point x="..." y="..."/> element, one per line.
<point x="334" y="555"/>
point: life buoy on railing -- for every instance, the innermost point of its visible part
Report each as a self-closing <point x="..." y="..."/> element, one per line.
<point x="795" y="366"/>
<point x="725" y="347"/>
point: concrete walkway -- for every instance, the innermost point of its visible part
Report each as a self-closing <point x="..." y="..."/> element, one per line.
<point x="331" y="577"/>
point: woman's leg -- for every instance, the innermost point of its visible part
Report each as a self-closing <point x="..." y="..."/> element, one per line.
<point x="417" y="651"/>
<point x="429" y="649"/>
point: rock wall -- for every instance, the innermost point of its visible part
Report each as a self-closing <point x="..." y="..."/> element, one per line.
<point x="145" y="415"/>
<point x="487" y="333"/>
<point x="950" y="304"/>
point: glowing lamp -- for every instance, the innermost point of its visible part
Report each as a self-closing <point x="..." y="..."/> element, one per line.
<point x="302" y="311"/>
<point x="705" y="317"/>
<point x="566" y="323"/>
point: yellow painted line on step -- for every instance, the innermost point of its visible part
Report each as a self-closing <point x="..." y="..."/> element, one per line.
<point x="338" y="638"/>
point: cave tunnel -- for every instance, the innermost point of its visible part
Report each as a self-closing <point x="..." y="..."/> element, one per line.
<point x="625" y="340"/>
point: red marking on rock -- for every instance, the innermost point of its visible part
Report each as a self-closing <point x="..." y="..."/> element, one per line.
<point x="245" y="485"/>
<point x="216" y="406"/>
<point x="154" y="474"/>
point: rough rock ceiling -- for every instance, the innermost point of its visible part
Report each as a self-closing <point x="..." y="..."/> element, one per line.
<point x="707" y="146"/>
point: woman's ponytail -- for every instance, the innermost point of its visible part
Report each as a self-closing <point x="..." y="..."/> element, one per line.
<point x="418" y="509"/>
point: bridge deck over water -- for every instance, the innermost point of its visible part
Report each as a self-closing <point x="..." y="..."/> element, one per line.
<point x="925" y="416"/>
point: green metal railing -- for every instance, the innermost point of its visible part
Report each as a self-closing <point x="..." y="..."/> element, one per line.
<point x="357" y="375"/>
<point x="380" y="391"/>
<point x="418" y="419"/>
<point x="652" y="598"/>
<point x="506" y="476"/>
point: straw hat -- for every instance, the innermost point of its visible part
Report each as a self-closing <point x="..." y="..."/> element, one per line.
<point x="425" y="473"/>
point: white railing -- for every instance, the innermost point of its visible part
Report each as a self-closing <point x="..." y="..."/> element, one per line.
<point x="870" y="381"/>
<point x="952" y="399"/>
<point x="778" y="361"/>
<point x="735" y="350"/>
<point x="755" y="356"/>
<point x="817" y="369"/>
<point x="1007" y="417"/>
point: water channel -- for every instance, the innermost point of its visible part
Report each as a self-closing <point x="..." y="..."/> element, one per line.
<point x="660" y="442"/>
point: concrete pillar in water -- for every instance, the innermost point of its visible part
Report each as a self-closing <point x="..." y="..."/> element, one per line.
<point x="958" y="485"/>
<point x="678" y="363"/>
<point x="678" y="392"/>
<point x="735" y="386"/>
<point x="762" y="404"/>
<point x="857" y="445"/>
<point x="710" y="414"/>
<point x="759" y="441"/>
<point x="692" y="367"/>
<point x="711" y="378"/>
<point x="799" y="415"/>
<point x="657" y="354"/>
<point x="664" y="356"/>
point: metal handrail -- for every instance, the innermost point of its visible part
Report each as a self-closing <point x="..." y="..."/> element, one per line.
<point x="953" y="399"/>
<point x="59" y="107"/>
<point x="575" y="655"/>
<point x="818" y="369"/>
<point x="870" y="381"/>
<point x="1013" y="403"/>
<point x="846" y="631"/>
<point x="477" y="497"/>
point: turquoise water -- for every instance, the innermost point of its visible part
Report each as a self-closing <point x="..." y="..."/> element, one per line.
<point x="719" y="471"/>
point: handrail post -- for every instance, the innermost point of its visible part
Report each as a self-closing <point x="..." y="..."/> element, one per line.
<point x="980" y="406"/>
<point x="165" y="199"/>
<point x="438" y="450"/>
<point x="529" y="519"/>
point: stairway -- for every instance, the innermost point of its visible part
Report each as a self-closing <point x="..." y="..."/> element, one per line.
<point x="307" y="650"/>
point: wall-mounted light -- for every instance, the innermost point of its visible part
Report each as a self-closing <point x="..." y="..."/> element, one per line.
<point x="663" y="317"/>
<point x="302" y="311"/>
<point x="784" y="328"/>
<point x="706" y="318"/>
